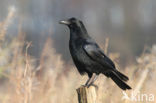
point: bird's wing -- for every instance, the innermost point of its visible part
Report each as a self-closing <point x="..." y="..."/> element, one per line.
<point x="96" y="54"/>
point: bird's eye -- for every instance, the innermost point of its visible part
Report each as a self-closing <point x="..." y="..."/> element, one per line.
<point x="73" y="20"/>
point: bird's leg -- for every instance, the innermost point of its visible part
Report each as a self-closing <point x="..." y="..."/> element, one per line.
<point x="87" y="81"/>
<point x="91" y="80"/>
<point x="89" y="75"/>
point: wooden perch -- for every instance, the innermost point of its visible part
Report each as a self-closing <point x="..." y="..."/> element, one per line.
<point x="86" y="95"/>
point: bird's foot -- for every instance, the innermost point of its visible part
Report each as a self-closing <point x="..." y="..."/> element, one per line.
<point x="94" y="85"/>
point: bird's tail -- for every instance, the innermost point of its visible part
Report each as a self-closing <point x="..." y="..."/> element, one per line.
<point x="119" y="79"/>
<point x="120" y="75"/>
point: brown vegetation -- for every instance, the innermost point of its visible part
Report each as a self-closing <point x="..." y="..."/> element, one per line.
<point x="53" y="81"/>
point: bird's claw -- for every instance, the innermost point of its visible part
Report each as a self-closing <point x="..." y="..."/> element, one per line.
<point x="94" y="85"/>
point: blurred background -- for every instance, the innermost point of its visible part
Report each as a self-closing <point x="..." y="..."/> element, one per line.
<point x="35" y="63"/>
<point x="130" y="24"/>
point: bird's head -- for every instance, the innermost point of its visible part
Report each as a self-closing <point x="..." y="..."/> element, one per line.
<point x="71" y="21"/>
<point x="74" y="24"/>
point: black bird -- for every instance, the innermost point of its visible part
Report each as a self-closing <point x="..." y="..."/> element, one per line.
<point x="89" y="58"/>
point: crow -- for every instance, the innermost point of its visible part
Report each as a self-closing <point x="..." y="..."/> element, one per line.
<point x="89" y="58"/>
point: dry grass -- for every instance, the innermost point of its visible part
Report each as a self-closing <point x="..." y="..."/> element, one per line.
<point x="53" y="81"/>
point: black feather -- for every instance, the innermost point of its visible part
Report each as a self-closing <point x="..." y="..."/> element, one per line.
<point x="119" y="82"/>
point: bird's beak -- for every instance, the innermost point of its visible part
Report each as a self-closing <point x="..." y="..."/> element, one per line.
<point x="66" y="22"/>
